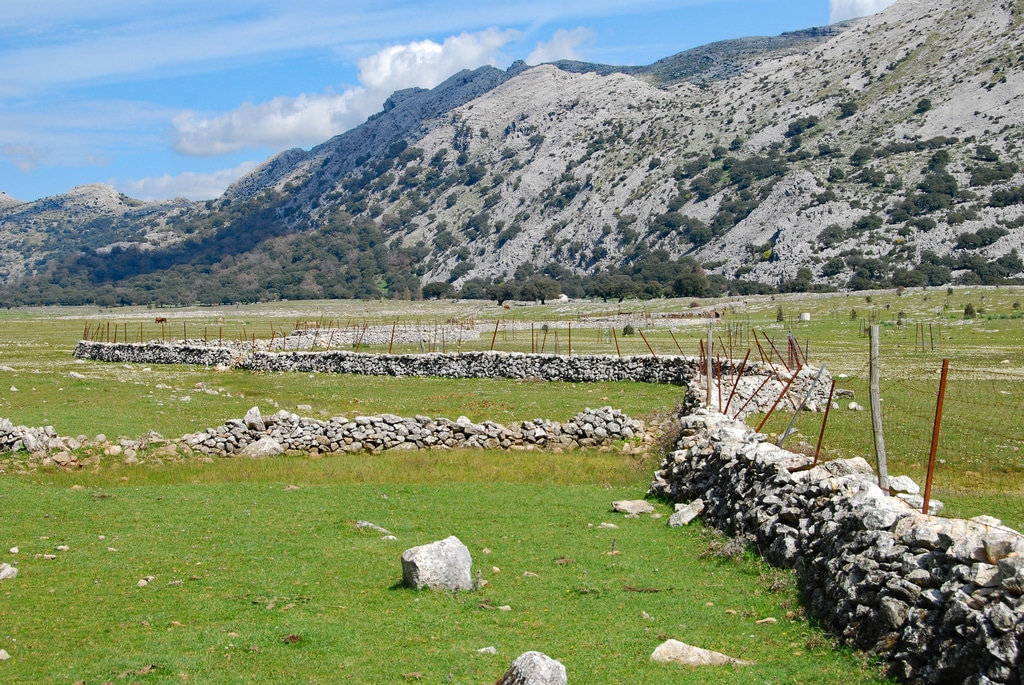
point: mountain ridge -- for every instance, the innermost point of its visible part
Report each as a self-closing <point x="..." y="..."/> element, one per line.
<point x="884" y="151"/>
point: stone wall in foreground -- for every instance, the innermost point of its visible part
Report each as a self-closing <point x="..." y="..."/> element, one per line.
<point x="257" y="435"/>
<point x="942" y="600"/>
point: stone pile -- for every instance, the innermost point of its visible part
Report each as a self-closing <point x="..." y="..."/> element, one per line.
<point x="46" y="448"/>
<point x="14" y="438"/>
<point x="590" y="428"/>
<point x="941" y="600"/>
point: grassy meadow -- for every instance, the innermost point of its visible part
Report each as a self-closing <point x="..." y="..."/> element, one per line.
<point x="259" y="574"/>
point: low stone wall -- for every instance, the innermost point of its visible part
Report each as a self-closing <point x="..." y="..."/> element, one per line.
<point x="404" y="334"/>
<point x="154" y="353"/>
<point x="942" y="600"/>
<point x="590" y="428"/>
<point x="756" y="391"/>
<point x="550" y="367"/>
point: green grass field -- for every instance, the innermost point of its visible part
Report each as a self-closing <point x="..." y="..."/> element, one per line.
<point x="241" y="561"/>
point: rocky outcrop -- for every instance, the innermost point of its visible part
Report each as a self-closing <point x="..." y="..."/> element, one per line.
<point x="942" y="600"/>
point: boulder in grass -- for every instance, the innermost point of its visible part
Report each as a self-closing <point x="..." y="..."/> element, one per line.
<point x="442" y="565"/>
<point x="7" y="571"/>
<point x="676" y="652"/>
<point x="264" y="447"/>
<point x="534" y="668"/>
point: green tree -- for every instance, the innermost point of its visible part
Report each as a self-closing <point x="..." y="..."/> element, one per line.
<point x="541" y="289"/>
<point x="437" y="289"/>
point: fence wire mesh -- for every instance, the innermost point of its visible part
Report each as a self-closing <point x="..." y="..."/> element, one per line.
<point x="981" y="439"/>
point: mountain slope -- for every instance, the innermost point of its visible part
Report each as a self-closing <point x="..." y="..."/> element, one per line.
<point x="886" y="151"/>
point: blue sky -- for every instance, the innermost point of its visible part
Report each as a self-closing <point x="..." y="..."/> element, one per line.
<point x="166" y="98"/>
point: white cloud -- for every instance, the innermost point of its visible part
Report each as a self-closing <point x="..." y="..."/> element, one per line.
<point x="279" y="123"/>
<point x="426" y="64"/>
<point x="313" y="118"/>
<point x="840" y="10"/>
<point x="563" y="45"/>
<point x="194" y="186"/>
<point x="23" y="157"/>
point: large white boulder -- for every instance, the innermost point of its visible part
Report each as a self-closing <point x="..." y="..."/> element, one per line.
<point x="442" y="565"/>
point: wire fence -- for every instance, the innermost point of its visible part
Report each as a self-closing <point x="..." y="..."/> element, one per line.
<point x="981" y="436"/>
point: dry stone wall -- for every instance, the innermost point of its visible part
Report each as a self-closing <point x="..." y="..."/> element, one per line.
<point x="754" y="391"/>
<point x="941" y="599"/>
<point x="574" y="369"/>
<point x="154" y="353"/>
<point x="251" y="435"/>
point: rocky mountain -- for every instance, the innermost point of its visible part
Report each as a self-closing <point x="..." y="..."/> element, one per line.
<point x="884" y="151"/>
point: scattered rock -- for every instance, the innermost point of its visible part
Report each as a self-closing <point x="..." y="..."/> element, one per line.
<point x="7" y="571"/>
<point x="534" y="668"/>
<point x="488" y="650"/>
<point x="442" y="565"/>
<point x="75" y="374"/>
<point x="675" y="652"/>
<point x="686" y="512"/>
<point x="4" y="656"/>
<point x="372" y="526"/>
<point x="633" y="507"/>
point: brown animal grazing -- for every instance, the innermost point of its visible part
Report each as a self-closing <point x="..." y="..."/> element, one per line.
<point x="161" y="319"/>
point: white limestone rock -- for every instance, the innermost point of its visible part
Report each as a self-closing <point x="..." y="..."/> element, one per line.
<point x="534" y="668"/>
<point x="442" y="565"/>
<point x="676" y="652"/>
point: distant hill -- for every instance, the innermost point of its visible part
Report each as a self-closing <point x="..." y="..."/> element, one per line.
<point x="881" y="152"/>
